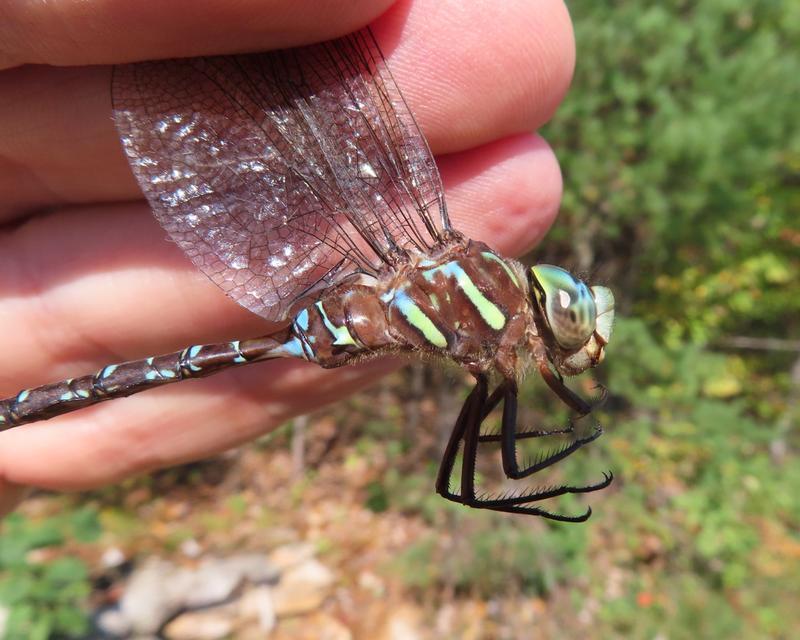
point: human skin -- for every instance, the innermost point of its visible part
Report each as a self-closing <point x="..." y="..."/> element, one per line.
<point x="87" y="277"/>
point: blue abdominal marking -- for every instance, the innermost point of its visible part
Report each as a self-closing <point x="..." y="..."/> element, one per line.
<point x="71" y="395"/>
<point x="292" y="348"/>
<point x="192" y="353"/>
<point x="107" y="371"/>
<point x="302" y="320"/>
<point x="239" y="357"/>
<point x="153" y="373"/>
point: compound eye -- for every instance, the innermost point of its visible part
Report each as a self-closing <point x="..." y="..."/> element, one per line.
<point x="566" y="303"/>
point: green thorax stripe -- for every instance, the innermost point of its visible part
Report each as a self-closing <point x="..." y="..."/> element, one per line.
<point x="489" y="311"/>
<point x="416" y="317"/>
<point x="490" y="256"/>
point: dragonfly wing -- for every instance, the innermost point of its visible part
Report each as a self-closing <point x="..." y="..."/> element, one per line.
<point x="284" y="172"/>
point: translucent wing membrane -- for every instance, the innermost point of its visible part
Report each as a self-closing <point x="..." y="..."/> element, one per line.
<point x="281" y="173"/>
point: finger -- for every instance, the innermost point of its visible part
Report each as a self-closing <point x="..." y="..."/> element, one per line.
<point x="170" y="425"/>
<point x="475" y="72"/>
<point x="84" y="288"/>
<point x="472" y="75"/>
<point x="68" y="32"/>
<point x="505" y="193"/>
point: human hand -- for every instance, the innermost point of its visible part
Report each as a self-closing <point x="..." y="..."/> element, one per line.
<point x="87" y="277"/>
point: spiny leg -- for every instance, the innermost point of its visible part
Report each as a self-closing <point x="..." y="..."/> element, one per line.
<point x="556" y="383"/>
<point x="508" y="435"/>
<point x="475" y="409"/>
<point x="470" y="410"/>
<point x="568" y="396"/>
<point x="491" y="404"/>
<point x="517" y="503"/>
<point x="532" y="433"/>
<point x="520" y="503"/>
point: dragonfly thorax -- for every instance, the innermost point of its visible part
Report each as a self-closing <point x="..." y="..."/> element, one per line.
<point x="464" y="303"/>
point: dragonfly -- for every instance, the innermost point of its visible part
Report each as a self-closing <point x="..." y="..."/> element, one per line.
<point x="299" y="182"/>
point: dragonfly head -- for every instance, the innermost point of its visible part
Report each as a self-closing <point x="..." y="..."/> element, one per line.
<point x="573" y="319"/>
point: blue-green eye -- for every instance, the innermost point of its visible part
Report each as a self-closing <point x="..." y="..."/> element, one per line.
<point x="566" y="303"/>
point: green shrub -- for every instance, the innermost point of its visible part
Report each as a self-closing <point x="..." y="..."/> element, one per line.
<point x="45" y="598"/>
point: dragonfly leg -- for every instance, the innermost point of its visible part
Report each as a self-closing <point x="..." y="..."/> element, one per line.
<point x="498" y="395"/>
<point x="491" y="404"/>
<point x="508" y="439"/>
<point x="568" y="396"/>
<point x="471" y="412"/>
<point x="475" y="409"/>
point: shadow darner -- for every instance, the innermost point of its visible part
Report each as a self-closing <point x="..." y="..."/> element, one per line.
<point x="299" y="183"/>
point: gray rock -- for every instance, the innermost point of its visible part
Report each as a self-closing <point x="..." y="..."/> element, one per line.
<point x="302" y="588"/>
<point x="159" y="590"/>
<point x="290" y="555"/>
<point x="252" y="611"/>
<point x="255" y="567"/>
<point x="148" y="600"/>
<point x="257" y="604"/>
<point x="215" y="623"/>
<point x="112" y="622"/>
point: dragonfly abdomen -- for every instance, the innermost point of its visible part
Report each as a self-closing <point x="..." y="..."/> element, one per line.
<point x="127" y="378"/>
<point x="345" y="323"/>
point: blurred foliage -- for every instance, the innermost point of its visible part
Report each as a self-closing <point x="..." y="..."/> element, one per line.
<point x="701" y="488"/>
<point x="493" y="556"/>
<point x="681" y="157"/>
<point x="45" y="594"/>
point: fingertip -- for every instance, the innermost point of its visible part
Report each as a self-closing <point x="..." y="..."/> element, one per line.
<point x="554" y="55"/>
<point x="506" y="193"/>
<point x="501" y="72"/>
<point x="70" y="32"/>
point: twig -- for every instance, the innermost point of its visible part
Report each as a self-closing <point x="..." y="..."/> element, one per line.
<point x="762" y="344"/>
<point x="299" y="425"/>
